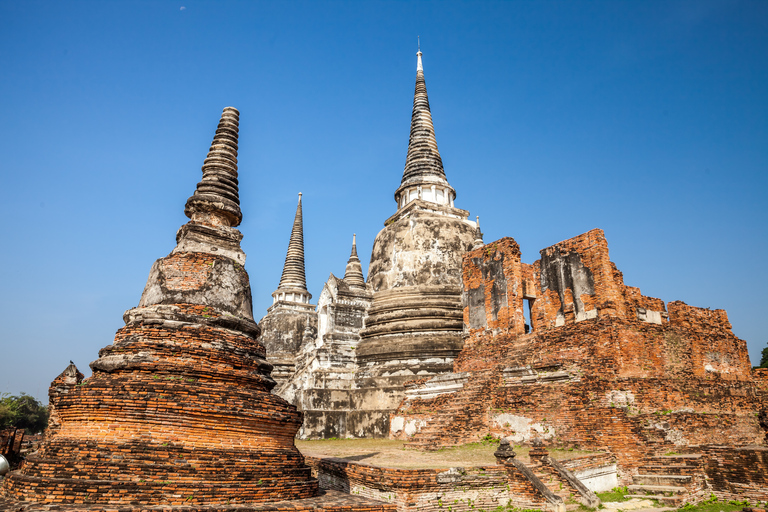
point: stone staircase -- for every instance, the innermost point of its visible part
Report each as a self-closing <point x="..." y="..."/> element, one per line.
<point x="553" y="483"/>
<point x="460" y="420"/>
<point x="669" y="479"/>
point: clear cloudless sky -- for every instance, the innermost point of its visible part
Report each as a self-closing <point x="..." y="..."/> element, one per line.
<point x="648" y="119"/>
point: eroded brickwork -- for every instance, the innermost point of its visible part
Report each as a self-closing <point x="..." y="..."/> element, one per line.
<point x="493" y="288"/>
<point x="738" y="473"/>
<point x="179" y="409"/>
<point x="456" y="489"/>
<point x="603" y="368"/>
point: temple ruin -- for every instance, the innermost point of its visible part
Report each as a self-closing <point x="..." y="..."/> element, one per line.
<point x="449" y="341"/>
<point x="666" y="389"/>
<point x="178" y="411"/>
<point x="406" y="321"/>
<point x="452" y="340"/>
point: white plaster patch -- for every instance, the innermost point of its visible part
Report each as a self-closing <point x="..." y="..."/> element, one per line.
<point x="410" y="427"/>
<point x="653" y="317"/>
<point x="676" y="436"/>
<point x="396" y="425"/>
<point x="711" y="369"/>
<point x="586" y="315"/>
<point x="672" y="435"/>
<point x="521" y="429"/>
<point x="413" y="426"/>
<point x="619" y="398"/>
<point x="600" y="479"/>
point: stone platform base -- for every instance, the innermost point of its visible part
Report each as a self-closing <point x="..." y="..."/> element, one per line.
<point x="327" y="501"/>
<point x="361" y="423"/>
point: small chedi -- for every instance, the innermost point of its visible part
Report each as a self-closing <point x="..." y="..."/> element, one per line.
<point x="440" y="303"/>
<point x="405" y="322"/>
<point x="451" y="340"/>
<point x="291" y="317"/>
<point x="178" y="410"/>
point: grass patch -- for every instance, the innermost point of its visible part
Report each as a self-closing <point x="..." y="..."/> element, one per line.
<point x="713" y="505"/>
<point x="615" y="494"/>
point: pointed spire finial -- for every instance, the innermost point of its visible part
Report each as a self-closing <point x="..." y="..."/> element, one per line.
<point x="353" y="275"/>
<point x="422" y="163"/>
<point x="478" y="242"/>
<point x="419" y="66"/>
<point x="294" y="278"/>
<point x="216" y="200"/>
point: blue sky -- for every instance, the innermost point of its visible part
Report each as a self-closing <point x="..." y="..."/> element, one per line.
<point x="646" y="119"/>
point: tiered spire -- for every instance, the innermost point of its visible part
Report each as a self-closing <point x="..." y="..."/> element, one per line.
<point x="294" y="278"/>
<point x="478" y="236"/>
<point x="423" y="177"/>
<point x="216" y="200"/>
<point x="423" y="159"/>
<point x="353" y="275"/>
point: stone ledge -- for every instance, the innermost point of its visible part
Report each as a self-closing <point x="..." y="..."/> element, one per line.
<point x="326" y="501"/>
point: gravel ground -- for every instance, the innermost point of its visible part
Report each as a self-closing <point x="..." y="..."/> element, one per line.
<point x="391" y="453"/>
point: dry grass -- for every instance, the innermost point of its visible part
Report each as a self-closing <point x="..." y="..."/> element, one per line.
<point x="391" y="453"/>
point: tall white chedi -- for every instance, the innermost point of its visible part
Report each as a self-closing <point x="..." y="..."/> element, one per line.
<point x="415" y="323"/>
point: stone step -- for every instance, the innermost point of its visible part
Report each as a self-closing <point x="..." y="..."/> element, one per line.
<point x="658" y="490"/>
<point x="670" y="500"/>
<point x="668" y="469"/>
<point x="682" y="458"/>
<point x="424" y="443"/>
<point x="661" y="479"/>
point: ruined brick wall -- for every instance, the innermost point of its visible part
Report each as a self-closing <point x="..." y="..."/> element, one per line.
<point x="629" y="378"/>
<point x="455" y="489"/>
<point x="760" y="378"/>
<point x="712" y="346"/>
<point x="737" y="472"/>
<point x="631" y="418"/>
<point x="493" y="288"/>
<point x="416" y="490"/>
<point x="576" y="281"/>
<point x="641" y="307"/>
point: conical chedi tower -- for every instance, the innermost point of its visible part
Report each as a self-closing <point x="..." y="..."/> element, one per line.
<point x="415" y="322"/>
<point x="178" y="409"/>
<point x="323" y="384"/>
<point x="353" y="275"/>
<point x="424" y="176"/>
<point x="290" y="317"/>
<point x="293" y="282"/>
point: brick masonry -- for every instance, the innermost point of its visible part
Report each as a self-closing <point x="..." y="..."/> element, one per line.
<point x="179" y="411"/>
<point x="457" y="489"/>
<point x="598" y="365"/>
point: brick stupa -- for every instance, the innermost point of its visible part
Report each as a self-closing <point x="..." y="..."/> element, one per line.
<point x="178" y="411"/>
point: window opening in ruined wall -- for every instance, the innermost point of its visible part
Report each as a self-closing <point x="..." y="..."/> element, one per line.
<point x="528" y="315"/>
